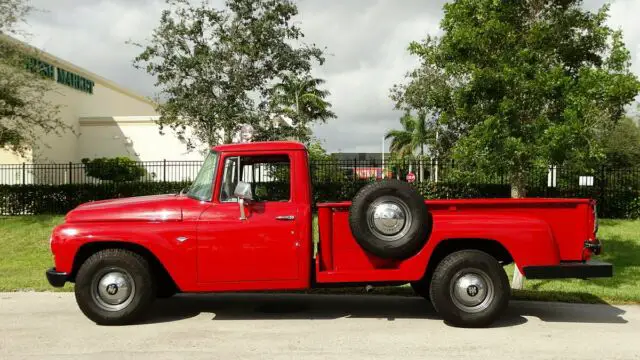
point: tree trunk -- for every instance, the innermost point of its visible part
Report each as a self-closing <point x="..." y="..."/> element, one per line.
<point x="298" y="137"/>
<point x="518" y="190"/>
<point x="435" y="175"/>
<point x="228" y="137"/>
<point x="518" y="186"/>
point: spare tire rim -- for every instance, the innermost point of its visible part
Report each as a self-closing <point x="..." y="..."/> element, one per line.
<point x="389" y="218"/>
<point x="472" y="290"/>
<point x="113" y="289"/>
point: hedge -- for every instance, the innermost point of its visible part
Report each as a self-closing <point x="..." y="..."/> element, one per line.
<point x="622" y="203"/>
<point x="59" y="199"/>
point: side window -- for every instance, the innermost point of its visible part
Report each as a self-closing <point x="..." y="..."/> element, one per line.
<point x="269" y="177"/>
<point x="229" y="179"/>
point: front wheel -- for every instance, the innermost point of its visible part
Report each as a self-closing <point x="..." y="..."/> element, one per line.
<point x="114" y="287"/>
<point x="469" y="288"/>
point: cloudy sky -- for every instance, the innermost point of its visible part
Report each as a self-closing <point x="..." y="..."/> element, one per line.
<point x="366" y="44"/>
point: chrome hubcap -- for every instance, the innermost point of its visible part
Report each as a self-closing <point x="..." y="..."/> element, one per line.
<point x="472" y="290"/>
<point x="389" y="218"/>
<point x="113" y="290"/>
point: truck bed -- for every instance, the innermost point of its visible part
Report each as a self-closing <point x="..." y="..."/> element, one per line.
<point x="555" y="228"/>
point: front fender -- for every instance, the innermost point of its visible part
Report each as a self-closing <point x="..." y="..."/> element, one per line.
<point x="172" y="243"/>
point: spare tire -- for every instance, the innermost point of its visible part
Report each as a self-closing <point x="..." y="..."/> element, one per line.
<point x="390" y="219"/>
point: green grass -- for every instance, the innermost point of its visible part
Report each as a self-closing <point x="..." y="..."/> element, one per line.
<point x="24" y="249"/>
<point x="621" y="246"/>
<point x="24" y="252"/>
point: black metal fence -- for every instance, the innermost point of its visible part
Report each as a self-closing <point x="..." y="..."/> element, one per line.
<point x="75" y="173"/>
<point x="56" y="188"/>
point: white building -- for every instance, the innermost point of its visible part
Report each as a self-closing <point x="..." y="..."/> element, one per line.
<point x="108" y="120"/>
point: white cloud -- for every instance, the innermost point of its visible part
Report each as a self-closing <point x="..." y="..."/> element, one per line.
<point x="366" y="44"/>
<point x="624" y="16"/>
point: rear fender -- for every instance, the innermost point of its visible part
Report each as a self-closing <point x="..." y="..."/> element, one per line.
<point x="528" y="240"/>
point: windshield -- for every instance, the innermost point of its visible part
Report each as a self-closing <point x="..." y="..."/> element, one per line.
<point x="202" y="187"/>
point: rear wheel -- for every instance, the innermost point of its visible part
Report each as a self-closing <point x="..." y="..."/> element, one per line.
<point x="114" y="287"/>
<point x="469" y="288"/>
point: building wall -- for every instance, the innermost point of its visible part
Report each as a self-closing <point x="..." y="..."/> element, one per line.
<point x="75" y="104"/>
<point x="105" y="120"/>
<point x="79" y="94"/>
<point x="136" y="137"/>
<point x="8" y="157"/>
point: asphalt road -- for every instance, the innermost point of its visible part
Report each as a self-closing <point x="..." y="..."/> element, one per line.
<point x="293" y="326"/>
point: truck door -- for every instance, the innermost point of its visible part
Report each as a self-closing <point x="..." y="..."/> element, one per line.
<point x="262" y="247"/>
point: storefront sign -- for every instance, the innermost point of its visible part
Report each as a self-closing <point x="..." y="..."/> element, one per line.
<point x="62" y="76"/>
<point x="371" y="172"/>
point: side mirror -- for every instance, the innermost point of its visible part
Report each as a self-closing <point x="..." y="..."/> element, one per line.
<point x="243" y="193"/>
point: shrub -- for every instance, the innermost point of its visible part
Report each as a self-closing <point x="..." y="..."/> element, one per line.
<point x="116" y="169"/>
<point x="59" y="199"/>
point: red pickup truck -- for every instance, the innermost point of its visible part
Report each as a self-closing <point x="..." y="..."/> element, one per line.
<point x="245" y="224"/>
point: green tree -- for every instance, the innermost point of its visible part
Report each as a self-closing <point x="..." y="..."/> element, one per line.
<point x="116" y="169"/>
<point x="300" y="99"/>
<point x="417" y="132"/>
<point x="621" y="146"/>
<point x="325" y="168"/>
<point x="25" y="111"/>
<point x="215" y="67"/>
<point x="317" y="152"/>
<point x="415" y="135"/>
<point x="522" y="84"/>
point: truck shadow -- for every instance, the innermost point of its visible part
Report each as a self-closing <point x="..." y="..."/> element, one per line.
<point x="257" y="306"/>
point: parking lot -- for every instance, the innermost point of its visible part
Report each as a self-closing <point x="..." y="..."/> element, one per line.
<point x="293" y="326"/>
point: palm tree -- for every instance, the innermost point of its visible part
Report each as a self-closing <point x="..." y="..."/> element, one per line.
<point x="300" y="99"/>
<point x="414" y="135"/>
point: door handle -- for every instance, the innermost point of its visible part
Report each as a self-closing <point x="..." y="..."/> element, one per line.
<point x="285" y="217"/>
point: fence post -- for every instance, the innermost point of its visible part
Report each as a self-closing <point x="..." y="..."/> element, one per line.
<point x="24" y="173"/>
<point x="70" y="172"/>
<point x="355" y="169"/>
<point x="164" y="170"/>
<point x="603" y="186"/>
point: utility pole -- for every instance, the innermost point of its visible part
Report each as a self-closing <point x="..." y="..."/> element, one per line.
<point x="382" y="156"/>
<point x="437" y="155"/>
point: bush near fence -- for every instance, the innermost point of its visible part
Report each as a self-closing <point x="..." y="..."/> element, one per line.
<point x="616" y="190"/>
<point x="59" y="199"/>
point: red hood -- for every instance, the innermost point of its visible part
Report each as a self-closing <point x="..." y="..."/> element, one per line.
<point x="140" y="208"/>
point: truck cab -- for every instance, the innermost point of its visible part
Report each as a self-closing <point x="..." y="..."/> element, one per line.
<point x="246" y="224"/>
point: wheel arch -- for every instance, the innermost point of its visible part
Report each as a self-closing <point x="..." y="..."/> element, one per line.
<point x="451" y="245"/>
<point x="88" y="249"/>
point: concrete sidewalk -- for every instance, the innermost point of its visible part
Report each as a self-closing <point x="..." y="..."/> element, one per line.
<point x="295" y="326"/>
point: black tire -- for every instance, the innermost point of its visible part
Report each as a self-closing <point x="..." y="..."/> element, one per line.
<point x="474" y="263"/>
<point x="137" y="270"/>
<point x="411" y="237"/>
